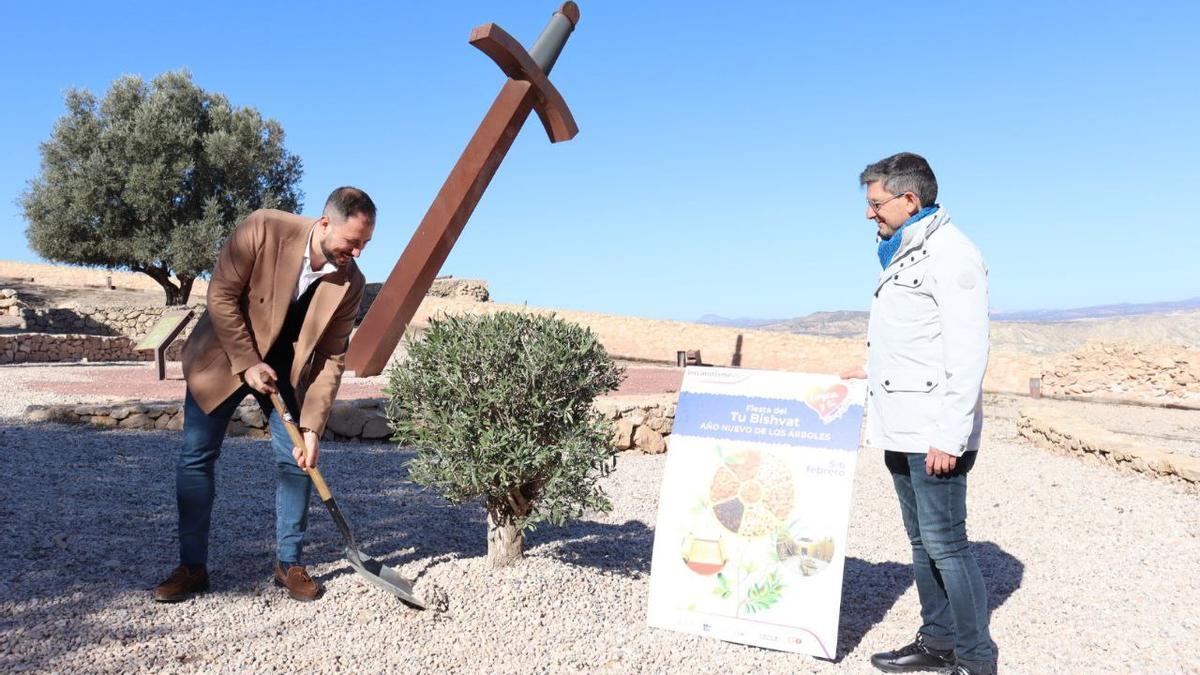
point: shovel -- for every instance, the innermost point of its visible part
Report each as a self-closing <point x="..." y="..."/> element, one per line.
<point x="372" y="570"/>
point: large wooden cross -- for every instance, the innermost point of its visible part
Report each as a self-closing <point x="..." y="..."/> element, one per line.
<point x="528" y="88"/>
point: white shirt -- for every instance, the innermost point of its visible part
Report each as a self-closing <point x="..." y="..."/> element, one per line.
<point x="307" y="275"/>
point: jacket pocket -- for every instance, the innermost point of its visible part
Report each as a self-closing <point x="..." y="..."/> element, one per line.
<point x="910" y="399"/>
<point x="909" y="279"/>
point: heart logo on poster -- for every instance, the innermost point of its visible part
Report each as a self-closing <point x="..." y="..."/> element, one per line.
<point x="826" y="401"/>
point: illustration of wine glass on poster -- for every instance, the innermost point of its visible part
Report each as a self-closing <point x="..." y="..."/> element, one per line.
<point x="750" y="539"/>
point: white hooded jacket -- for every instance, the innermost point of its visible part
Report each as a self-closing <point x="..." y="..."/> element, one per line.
<point x="927" y="343"/>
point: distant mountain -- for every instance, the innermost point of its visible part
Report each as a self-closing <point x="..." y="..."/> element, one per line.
<point x="1098" y="312"/>
<point x="715" y="320"/>
<point x="846" y="324"/>
<point x="1038" y="331"/>
<point x="833" y="323"/>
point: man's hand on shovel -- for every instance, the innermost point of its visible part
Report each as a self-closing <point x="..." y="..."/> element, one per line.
<point x="306" y="458"/>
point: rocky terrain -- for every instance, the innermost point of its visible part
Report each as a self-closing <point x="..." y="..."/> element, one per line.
<point x="1127" y="371"/>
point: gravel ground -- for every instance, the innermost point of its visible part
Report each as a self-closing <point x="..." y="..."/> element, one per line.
<point x="1169" y="429"/>
<point x="28" y="384"/>
<point x="1089" y="570"/>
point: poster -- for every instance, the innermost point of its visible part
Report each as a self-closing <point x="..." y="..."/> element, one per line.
<point x="750" y="539"/>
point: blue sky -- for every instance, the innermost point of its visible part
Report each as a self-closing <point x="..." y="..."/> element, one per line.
<point x="716" y="166"/>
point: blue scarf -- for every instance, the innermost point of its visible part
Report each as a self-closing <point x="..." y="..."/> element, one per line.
<point x="889" y="247"/>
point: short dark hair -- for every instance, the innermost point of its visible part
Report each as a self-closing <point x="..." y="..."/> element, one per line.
<point x="903" y="172"/>
<point x="347" y="202"/>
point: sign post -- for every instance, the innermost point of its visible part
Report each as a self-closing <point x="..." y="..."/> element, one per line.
<point x="162" y="335"/>
<point x="750" y="539"/>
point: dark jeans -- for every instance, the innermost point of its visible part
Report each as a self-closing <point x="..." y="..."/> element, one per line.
<point x="195" y="480"/>
<point x="954" y="605"/>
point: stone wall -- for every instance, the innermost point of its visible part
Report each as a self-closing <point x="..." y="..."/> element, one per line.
<point x="641" y="425"/>
<point x="131" y="322"/>
<point x="47" y="348"/>
<point x="473" y="290"/>
<point x="1159" y="373"/>
<point x="10" y="304"/>
<point x="1069" y="435"/>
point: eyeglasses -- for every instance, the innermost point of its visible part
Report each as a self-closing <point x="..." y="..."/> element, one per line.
<point x="875" y="206"/>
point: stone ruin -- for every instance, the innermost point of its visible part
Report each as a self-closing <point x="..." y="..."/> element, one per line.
<point x="1160" y="373"/>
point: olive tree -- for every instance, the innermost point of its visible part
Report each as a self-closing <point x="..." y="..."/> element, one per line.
<point x="153" y="177"/>
<point x="499" y="408"/>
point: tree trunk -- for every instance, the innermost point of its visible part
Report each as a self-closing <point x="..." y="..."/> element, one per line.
<point x="185" y="288"/>
<point x="506" y="543"/>
<point x="172" y="293"/>
<point x="163" y="277"/>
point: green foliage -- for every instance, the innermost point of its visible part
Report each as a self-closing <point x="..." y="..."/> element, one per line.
<point x="722" y="591"/>
<point x="764" y="594"/>
<point x="153" y="177"/>
<point x="499" y="408"/>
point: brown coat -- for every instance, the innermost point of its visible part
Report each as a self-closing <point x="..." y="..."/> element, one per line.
<point x="252" y="286"/>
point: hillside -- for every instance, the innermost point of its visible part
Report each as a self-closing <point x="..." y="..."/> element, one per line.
<point x="47" y="285"/>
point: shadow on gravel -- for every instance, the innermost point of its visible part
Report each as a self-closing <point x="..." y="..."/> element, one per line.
<point x="81" y="519"/>
<point x="618" y="549"/>
<point x="869" y="590"/>
<point x="1001" y="572"/>
<point x="88" y="518"/>
<point x="399" y="523"/>
<point x="393" y="520"/>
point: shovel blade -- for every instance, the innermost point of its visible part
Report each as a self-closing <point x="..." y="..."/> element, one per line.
<point x="383" y="577"/>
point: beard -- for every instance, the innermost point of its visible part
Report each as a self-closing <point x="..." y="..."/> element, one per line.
<point x="334" y="258"/>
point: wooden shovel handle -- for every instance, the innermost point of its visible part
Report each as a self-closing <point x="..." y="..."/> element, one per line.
<point x="298" y="439"/>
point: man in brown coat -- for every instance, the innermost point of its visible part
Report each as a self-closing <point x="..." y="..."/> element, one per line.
<point x="281" y="305"/>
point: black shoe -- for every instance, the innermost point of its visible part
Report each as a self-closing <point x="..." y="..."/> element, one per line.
<point x="914" y="657"/>
<point x="964" y="668"/>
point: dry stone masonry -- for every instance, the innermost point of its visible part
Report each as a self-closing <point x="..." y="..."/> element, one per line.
<point x="47" y="348"/>
<point x="1070" y="435"/>
<point x="1159" y="373"/>
<point x="132" y="322"/>
<point x="642" y="425"/>
<point x="10" y="304"/>
<point x="475" y="290"/>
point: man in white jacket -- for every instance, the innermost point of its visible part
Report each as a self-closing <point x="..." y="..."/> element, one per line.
<point x="927" y="348"/>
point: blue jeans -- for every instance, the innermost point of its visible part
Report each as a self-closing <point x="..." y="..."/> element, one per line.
<point x="954" y="604"/>
<point x="195" y="482"/>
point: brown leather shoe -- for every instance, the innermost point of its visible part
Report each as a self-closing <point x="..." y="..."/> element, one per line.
<point x="182" y="584"/>
<point x="298" y="584"/>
